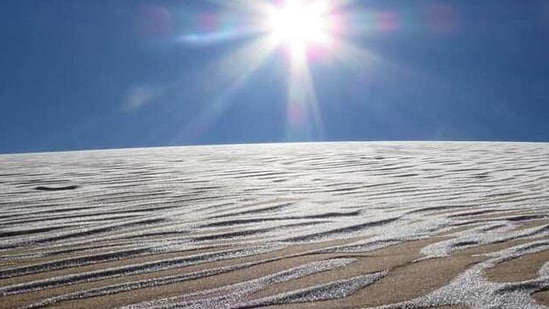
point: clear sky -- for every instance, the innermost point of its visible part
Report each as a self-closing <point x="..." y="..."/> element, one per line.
<point x="81" y="74"/>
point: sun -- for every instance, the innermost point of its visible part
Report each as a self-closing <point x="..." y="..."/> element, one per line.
<point x="301" y="25"/>
<point x="305" y="32"/>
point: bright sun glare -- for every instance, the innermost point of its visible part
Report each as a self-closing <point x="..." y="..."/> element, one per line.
<point x="301" y="25"/>
<point x="308" y="31"/>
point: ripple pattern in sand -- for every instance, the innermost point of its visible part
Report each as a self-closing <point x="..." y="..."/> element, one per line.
<point x="289" y="225"/>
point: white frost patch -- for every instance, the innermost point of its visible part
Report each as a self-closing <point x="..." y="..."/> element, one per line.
<point x="472" y="289"/>
<point x="233" y="295"/>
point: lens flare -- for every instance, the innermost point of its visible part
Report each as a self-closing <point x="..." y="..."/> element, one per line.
<point x="310" y="33"/>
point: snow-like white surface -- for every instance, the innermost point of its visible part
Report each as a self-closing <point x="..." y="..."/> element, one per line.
<point x="117" y="204"/>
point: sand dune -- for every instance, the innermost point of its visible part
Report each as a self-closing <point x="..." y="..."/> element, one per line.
<point x="335" y="225"/>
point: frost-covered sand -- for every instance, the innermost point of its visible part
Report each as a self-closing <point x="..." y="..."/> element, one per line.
<point x="339" y="225"/>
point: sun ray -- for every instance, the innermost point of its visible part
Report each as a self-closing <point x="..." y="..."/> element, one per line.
<point x="304" y="121"/>
<point x="305" y="31"/>
<point x="231" y="72"/>
<point x="255" y="6"/>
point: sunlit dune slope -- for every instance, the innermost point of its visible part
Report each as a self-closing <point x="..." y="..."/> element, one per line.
<point x="327" y="225"/>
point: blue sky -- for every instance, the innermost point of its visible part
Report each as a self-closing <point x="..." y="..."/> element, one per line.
<point x="79" y="74"/>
